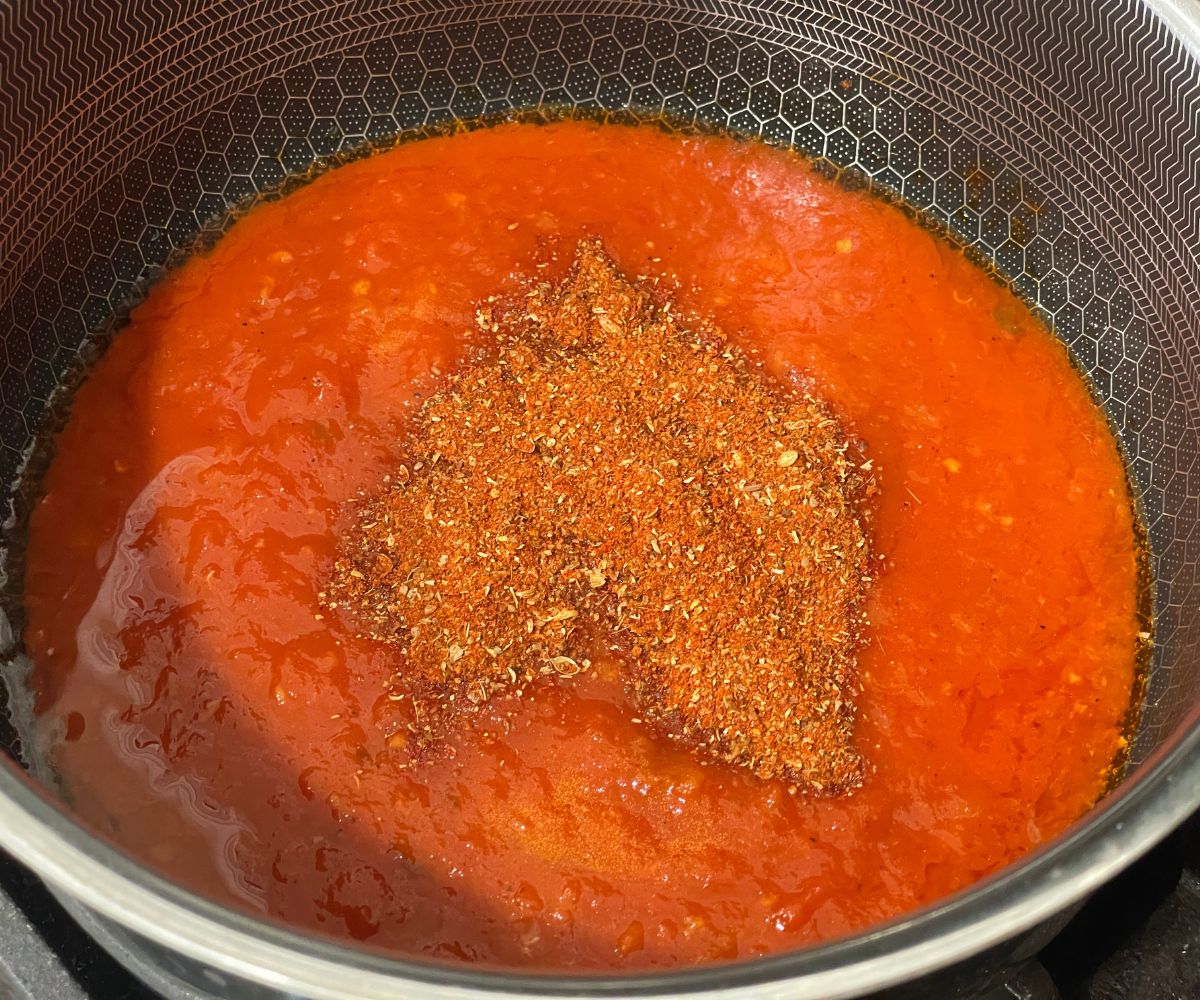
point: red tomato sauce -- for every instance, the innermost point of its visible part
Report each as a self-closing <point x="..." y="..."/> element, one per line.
<point x="204" y="715"/>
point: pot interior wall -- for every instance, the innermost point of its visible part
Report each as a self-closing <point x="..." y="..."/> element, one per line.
<point x="1059" y="140"/>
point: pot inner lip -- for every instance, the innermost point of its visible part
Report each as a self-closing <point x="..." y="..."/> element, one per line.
<point x="1142" y="810"/>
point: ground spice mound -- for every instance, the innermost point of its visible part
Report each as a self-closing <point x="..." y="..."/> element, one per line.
<point x="606" y="472"/>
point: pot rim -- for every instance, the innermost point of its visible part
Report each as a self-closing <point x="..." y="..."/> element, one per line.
<point x="1132" y="819"/>
<point x="37" y="829"/>
<point x="1182" y="17"/>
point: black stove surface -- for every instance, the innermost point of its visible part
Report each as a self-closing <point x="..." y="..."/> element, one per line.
<point x="1136" y="939"/>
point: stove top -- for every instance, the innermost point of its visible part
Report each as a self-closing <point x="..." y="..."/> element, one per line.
<point x="1136" y="939"/>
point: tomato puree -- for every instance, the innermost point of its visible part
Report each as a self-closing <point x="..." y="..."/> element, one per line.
<point x="207" y="713"/>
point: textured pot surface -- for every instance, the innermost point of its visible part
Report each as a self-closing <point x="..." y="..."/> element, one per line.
<point x="128" y="129"/>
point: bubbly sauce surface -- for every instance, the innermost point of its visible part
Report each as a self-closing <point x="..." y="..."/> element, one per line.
<point x="205" y="714"/>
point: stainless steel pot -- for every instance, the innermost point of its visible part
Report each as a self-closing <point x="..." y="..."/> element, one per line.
<point x="1059" y="138"/>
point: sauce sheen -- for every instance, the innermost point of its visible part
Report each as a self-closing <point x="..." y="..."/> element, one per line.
<point x="203" y="714"/>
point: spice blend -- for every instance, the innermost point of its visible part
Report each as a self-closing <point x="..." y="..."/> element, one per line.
<point x="605" y="472"/>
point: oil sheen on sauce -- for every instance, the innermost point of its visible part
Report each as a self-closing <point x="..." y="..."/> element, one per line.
<point x="204" y="715"/>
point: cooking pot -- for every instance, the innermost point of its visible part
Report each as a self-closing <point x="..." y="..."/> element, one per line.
<point x="1059" y="139"/>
